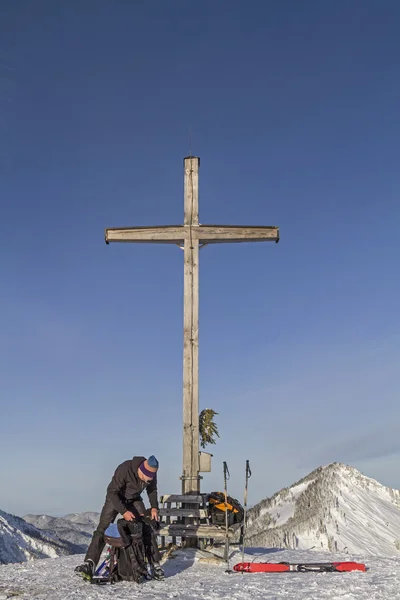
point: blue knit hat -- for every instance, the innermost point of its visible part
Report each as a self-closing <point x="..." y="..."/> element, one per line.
<point x="153" y="462"/>
<point x="149" y="467"/>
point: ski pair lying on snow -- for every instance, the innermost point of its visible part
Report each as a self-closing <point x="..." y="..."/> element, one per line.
<point x="282" y="567"/>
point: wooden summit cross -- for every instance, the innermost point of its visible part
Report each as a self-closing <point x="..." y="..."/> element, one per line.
<point x="191" y="235"/>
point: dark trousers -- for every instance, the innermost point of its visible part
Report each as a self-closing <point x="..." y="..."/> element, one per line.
<point x="107" y="516"/>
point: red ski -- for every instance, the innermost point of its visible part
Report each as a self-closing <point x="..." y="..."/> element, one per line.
<point x="266" y="567"/>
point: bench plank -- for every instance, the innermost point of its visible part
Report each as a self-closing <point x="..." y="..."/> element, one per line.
<point x="201" y="531"/>
<point x="189" y="499"/>
<point x="201" y="513"/>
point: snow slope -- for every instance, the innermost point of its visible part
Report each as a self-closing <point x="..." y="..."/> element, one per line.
<point x="334" y="508"/>
<point x="187" y="578"/>
<point x="75" y="528"/>
<point x="21" y="541"/>
<point x="87" y="521"/>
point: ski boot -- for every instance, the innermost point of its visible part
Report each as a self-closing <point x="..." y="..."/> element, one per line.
<point x="156" y="571"/>
<point x="86" y="570"/>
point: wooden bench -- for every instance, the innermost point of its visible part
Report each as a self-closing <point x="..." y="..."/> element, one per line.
<point x="187" y="516"/>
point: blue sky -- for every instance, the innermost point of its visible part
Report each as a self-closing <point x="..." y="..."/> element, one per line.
<point x="293" y="108"/>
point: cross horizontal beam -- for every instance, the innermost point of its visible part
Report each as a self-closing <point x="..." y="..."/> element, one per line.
<point x="205" y="234"/>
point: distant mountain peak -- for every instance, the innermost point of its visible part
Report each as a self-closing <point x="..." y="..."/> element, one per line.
<point x="76" y="528"/>
<point x="335" y="508"/>
<point x="21" y="541"/>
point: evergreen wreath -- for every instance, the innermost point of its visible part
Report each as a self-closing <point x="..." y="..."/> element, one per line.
<point x="207" y="427"/>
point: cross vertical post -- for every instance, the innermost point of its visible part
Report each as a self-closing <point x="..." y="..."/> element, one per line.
<point x="191" y="236"/>
<point x="190" y="474"/>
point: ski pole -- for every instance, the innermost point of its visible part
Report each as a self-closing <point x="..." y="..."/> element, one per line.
<point x="226" y="476"/>
<point x="248" y="475"/>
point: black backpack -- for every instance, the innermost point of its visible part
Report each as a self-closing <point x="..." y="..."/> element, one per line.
<point x="217" y="509"/>
<point x="126" y="557"/>
<point x="131" y="547"/>
<point x="129" y="562"/>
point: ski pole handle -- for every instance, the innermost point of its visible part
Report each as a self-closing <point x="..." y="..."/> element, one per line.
<point x="226" y="471"/>
<point x="248" y="470"/>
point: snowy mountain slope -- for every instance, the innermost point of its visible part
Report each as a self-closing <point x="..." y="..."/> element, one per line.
<point x="334" y="508"/>
<point x="75" y="528"/>
<point x="86" y="521"/>
<point x="21" y="541"/>
<point x="187" y="578"/>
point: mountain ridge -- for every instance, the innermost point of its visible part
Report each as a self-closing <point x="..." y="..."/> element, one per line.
<point x="334" y="508"/>
<point x="21" y="541"/>
<point x="76" y="528"/>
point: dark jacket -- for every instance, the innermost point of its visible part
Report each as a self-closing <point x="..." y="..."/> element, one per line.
<point x="126" y="487"/>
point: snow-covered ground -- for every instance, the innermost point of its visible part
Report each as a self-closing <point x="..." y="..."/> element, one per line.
<point x="188" y="578"/>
